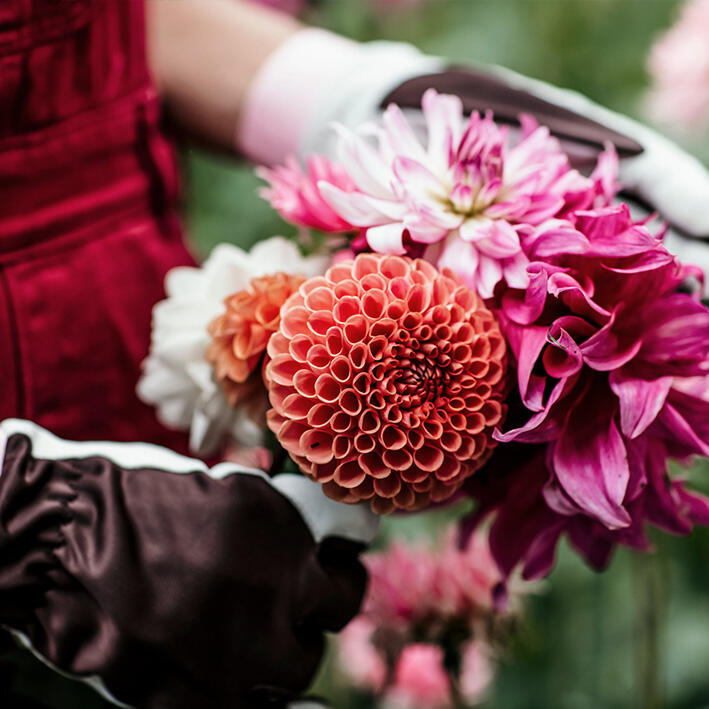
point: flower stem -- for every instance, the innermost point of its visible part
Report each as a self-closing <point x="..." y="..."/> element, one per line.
<point x="649" y="579"/>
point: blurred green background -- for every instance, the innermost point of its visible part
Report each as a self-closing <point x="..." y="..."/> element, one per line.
<point x="638" y="634"/>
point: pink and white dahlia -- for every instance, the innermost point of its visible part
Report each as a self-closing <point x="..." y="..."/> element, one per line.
<point x="603" y="342"/>
<point x="465" y="198"/>
<point x="679" y="67"/>
<point x="295" y="195"/>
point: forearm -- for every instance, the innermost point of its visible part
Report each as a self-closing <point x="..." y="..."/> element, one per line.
<point x="203" y="55"/>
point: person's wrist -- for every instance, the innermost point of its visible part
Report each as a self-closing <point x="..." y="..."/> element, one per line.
<point x="314" y="78"/>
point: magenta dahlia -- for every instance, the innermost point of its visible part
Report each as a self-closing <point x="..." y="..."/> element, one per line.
<point x="605" y="347"/>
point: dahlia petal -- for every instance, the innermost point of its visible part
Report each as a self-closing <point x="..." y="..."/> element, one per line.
<point x="696" y="506"/>
<point x="591" y="465"/>
<point x="554" y="237"/>
<point x="514" y="271"/>
<point x="354" y="207"/>
<point x="476" y="228"/>
<point x="563" y="358"/>
<point x="611" y="347"/>
<point x="349" y="474"/>
<point x="677" y="336"/>
<point x="558" y="500"/>
<point x="541" y="554"/>
<point x="427" y="225"/>
<point x="572" y="294"/>
<point x="444" y="120"/>
<point x="592" y="543"/>
<point x="662" y="505"/>
<point x="489" y="275"/>
<point x="525" y="308"/>
<point x="419" y="182"/>
<point x="640" y="400"/>
<point x="501" y="241"/>
<point x="684" y="428"/>
<point x="389" y="486"/>
<point x="459" y="256"/>
<point x="611" y="232"/>
<point x="387" y="238"/>
<point x="401" y="137"/>
<point x="367" y="169"/>
<point x="541" y="427"/>
<point x="527" y="344"/>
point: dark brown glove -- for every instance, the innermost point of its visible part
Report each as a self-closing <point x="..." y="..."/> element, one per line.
<point x="167" y="585"/>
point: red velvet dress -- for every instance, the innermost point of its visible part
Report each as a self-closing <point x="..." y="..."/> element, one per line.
<point x="88" y="221"/>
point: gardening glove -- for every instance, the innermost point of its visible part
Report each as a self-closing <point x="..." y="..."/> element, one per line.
<point x="167" y="585"/>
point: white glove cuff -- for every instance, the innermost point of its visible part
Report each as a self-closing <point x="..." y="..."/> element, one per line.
<point x="314" y="78"/>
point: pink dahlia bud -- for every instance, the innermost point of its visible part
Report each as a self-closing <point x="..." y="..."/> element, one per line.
<point x="386" y="381"/>
<point x="240" y="334"/>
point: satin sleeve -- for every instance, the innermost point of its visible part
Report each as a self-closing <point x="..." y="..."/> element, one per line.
<point x="161" y="583"/>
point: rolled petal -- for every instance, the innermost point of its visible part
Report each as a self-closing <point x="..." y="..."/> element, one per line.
<point x="591" y="465"/>
<point x="640" y="400"/>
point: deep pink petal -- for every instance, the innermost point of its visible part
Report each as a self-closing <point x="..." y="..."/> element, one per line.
<point x="557" y="236"/>
<point x="591" y="465"/>
<point x="640" y="400"/>
<point x="612" y="346"/>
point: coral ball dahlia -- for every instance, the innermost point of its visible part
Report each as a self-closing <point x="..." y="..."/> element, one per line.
<point x="386" y="381"/>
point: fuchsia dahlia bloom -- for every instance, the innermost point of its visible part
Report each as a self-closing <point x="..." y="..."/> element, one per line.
<point x="386" y="380"/>
<point x="466" y="200"/>
<point x="600" y="337"/>
<point x="611" y="361"/>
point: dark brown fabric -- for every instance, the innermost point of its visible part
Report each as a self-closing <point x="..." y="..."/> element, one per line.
<point x="178" y="590"/>
<point x="581" y="138"/>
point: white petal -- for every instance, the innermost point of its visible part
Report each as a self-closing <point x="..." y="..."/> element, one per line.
<point x="387" y="238"/>
<point x="354" y="207"/>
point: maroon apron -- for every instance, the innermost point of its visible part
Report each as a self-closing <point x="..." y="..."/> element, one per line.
<point x="88" y="223"/>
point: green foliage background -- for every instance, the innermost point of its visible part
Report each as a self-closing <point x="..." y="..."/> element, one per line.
<point x="638" y="634"/>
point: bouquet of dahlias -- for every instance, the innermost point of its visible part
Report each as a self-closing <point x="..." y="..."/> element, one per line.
<point x="498" y="327"/>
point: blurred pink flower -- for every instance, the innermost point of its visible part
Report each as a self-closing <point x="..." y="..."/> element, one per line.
<point x="294" y="194"/>
<point x="400" y="585"/>
<point x="357" y="657"/>
<point x="476" y="672"/>
<point x="422" y="598"/>
<point x="420" y="680"/>
<point x="466" y="200"/>
<point x="413" y="583"/>
<point x="679" y="67"/>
